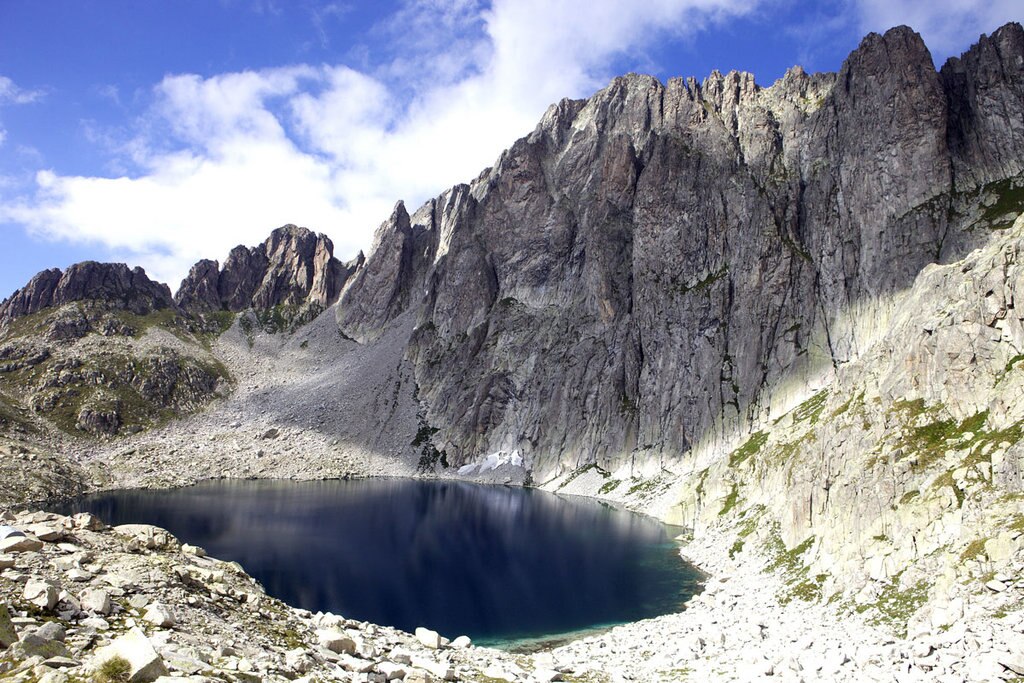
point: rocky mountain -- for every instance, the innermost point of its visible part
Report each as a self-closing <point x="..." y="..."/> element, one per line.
<point x="294" y="267"/>
<point x="100" y="349"/>
<point x="661" y="268"/>
<point x="781" y="317"/>
<point x="114" y="284"/>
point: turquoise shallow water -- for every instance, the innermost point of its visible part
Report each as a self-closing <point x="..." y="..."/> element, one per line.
<point x="507" y="566"/>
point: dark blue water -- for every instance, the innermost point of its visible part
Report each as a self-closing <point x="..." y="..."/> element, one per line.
<point x="498" y="564"/>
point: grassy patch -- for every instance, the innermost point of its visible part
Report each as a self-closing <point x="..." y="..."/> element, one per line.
<point x="731" y="500"/>
<point x="808" y="590"/>
<point x="644" y="486"/>
<point x="751" y="447"/>
<point x="117" y="669"/>
<point x="895" y="606"/>
<point x="810" y="410"/>
<point x="788" y="561"/>
<point x="286" y="318"/>
<point x="609" y="486"/>
<point x="974" y="550"/>
<point x="909" y="496"/>
<point x="583" y="470"/>
<point x="1009" y="203"/>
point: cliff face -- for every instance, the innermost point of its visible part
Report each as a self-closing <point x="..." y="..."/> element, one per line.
<point x="663" y="266"/>
<point x="294" y="267"/>
<point x="113" y="283"/>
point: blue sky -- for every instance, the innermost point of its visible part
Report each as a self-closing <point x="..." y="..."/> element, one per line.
<point x="160" y="132"/>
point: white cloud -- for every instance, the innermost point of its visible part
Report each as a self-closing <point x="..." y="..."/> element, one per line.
<point x="948" y="27"/>
<point x="223" y="160"/>
<point x="12" y="94"/>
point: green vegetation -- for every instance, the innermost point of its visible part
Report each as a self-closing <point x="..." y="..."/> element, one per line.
<point x="286" y="318"/>
<point x="797" y="249"/>
<point x="117" y="669"/>
<point x="644" y="485"/>
<point x="609" y="486"/>
<point x="974" y="550"/>
<point x="788" y="561"/>
<point x="627" y="406"/>
<point x="731" y="500"/>
<point x="1009" y="203"/>
<point x="790" y="565"/>
<point x="909" y="496"/>
<point x="808" y="590"/>
<point x="751" y="447"/>
<point x="854" y="401"/>
<point x="1010" y="366"/>
<point x="895" y="606"/>
<point x="701" y="480"/>
<point x="702" y="284"/>
<point x="430" y="457"/>
<point x="583" y="470"/>
<point x="810" y="410"/>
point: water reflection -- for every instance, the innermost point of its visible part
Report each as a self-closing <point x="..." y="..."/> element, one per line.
<point x="495" y="563"/>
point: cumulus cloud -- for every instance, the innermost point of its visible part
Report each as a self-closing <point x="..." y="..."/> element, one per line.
<point x="948" y="27"/>
<point x="222" y="160"/>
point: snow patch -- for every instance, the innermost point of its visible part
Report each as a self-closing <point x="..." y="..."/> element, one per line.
<point x="492" y="462"/>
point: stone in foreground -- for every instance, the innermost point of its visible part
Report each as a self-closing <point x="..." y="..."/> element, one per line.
<point x="431" y="639"/>
<point x="42" y="594"/>
<point x="8" y="636"/>
<point x="134" y="646"/>
<point x="20" y="544"/>
<point x="160" y="615"/>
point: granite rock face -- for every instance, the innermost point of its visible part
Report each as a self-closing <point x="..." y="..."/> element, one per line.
<point x="662" y="267"/>
<point x="113" y="283"/>
<point x="293" y="267"/>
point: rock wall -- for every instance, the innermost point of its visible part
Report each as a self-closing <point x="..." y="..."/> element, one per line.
<point x="662" y="267"/>
<point x="113" y="283"/>
<point x="294" y="267"/>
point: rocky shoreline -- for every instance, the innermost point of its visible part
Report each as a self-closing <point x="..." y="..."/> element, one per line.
<point x="79" y="592"/>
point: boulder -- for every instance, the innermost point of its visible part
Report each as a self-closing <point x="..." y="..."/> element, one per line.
<point x="148" y="536"/>
<point x="8" y="636"/>
<point x="51" y="630"/>
<point x="462" y="642"/>
<point x="428" y="638"/>
<point x="442" y="670"/>
<point x="46" y="532"/>
<point x="160" y="615"/>
<point x="36" y="645"/>
<point x="190" y="549"/>
<point x="144" y="662"/>
<point x="78" y="575"/>
<point x="87" y="521"/>
<point x="336" y="641"/>
<point x="1013" y="661"/>
<point x="20" y="544"/>
<point x="299" y="660"/>
<point x="42" y="594"/>
<point x="6" y="562"/>
<point x="393" y="671"/>
<point x="95" y="600"/>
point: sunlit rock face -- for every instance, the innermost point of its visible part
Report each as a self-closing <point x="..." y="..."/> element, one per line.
<point x="657" y="268"/>
<point x="294" y="267"/>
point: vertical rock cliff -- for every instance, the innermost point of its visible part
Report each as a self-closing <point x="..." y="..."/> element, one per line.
<point x="662" y="267"/>
<point x="294" y="267"/>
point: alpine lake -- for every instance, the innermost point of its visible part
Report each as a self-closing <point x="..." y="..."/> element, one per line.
<point x="510" y="567"/>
